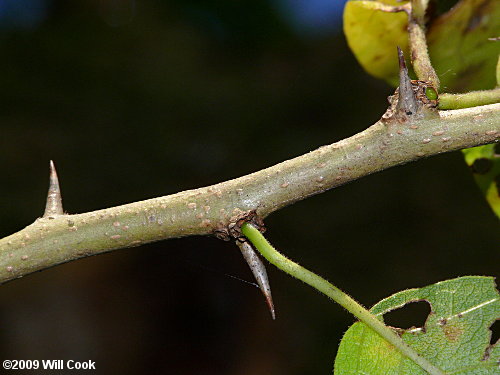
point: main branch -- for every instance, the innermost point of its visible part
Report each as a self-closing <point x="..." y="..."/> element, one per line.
<point x="60" y="238"/>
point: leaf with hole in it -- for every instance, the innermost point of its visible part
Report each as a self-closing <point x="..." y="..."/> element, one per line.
<point x="459" y="46"/>
<point x="485" y="165"/>
<point x="455" y="338"/>
<point x="373" y="35"/>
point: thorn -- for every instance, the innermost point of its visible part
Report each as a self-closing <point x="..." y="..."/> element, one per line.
<point x="259" y="272"/>
<point x="54" y="201"/>
<point x="407" y="102"/>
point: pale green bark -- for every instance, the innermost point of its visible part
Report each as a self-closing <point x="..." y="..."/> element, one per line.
<point x="48" y="242"/>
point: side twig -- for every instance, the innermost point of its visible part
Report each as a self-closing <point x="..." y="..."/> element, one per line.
<point x="469" y="99"/>
<point x="418" y="43"/>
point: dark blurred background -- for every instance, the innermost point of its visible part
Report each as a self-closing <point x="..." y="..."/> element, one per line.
<point x="138" y="99"/>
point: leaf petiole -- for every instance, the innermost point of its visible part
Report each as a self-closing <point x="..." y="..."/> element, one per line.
<point x="343" y="299"/>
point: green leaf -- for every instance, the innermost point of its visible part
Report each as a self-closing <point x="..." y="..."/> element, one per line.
<point x="460" y="51"/>
<point x="373" y="36"/>
<point x="455" y="337"/>
<point x="458" y="44"/>
<point x="485" y="165"/>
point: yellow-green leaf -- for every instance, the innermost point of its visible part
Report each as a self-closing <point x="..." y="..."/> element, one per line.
<point x="455" y="337"/>
<point x="373" y="36"/>
<point x="459" y="42"/>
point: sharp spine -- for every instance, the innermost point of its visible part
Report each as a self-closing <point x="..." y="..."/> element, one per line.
<point x="407" y="102"/>
<point x="54" y="205"/>
<point x="259" y="272"/>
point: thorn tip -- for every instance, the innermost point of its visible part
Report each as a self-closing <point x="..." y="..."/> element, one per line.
<point x="401" y="59"/>
<point x="259" y="272"/>
<point x="53" y="206"/>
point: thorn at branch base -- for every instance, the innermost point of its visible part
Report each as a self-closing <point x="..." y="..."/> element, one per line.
<point x="259" y="272"/>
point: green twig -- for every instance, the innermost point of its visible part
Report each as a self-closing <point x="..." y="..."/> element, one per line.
<point x="320" y="284"/>
<point x="469" y="99"/>
<point x="418" y="44"/>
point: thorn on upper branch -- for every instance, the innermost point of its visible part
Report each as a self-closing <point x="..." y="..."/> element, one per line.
<point x="413" y="99"/>
<point x="407" y="102"/>
<point x="259" y="272"/>
<point x="54" y="201"/>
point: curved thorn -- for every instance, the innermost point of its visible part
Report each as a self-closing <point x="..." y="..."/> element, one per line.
<point x="54" y="201"/>
<point x="407" y="102"/>
<point x="259" y="272"/>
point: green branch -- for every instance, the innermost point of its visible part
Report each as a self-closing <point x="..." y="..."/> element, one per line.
<point x="58" y="238"/>
<point x="328" y="289"/>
